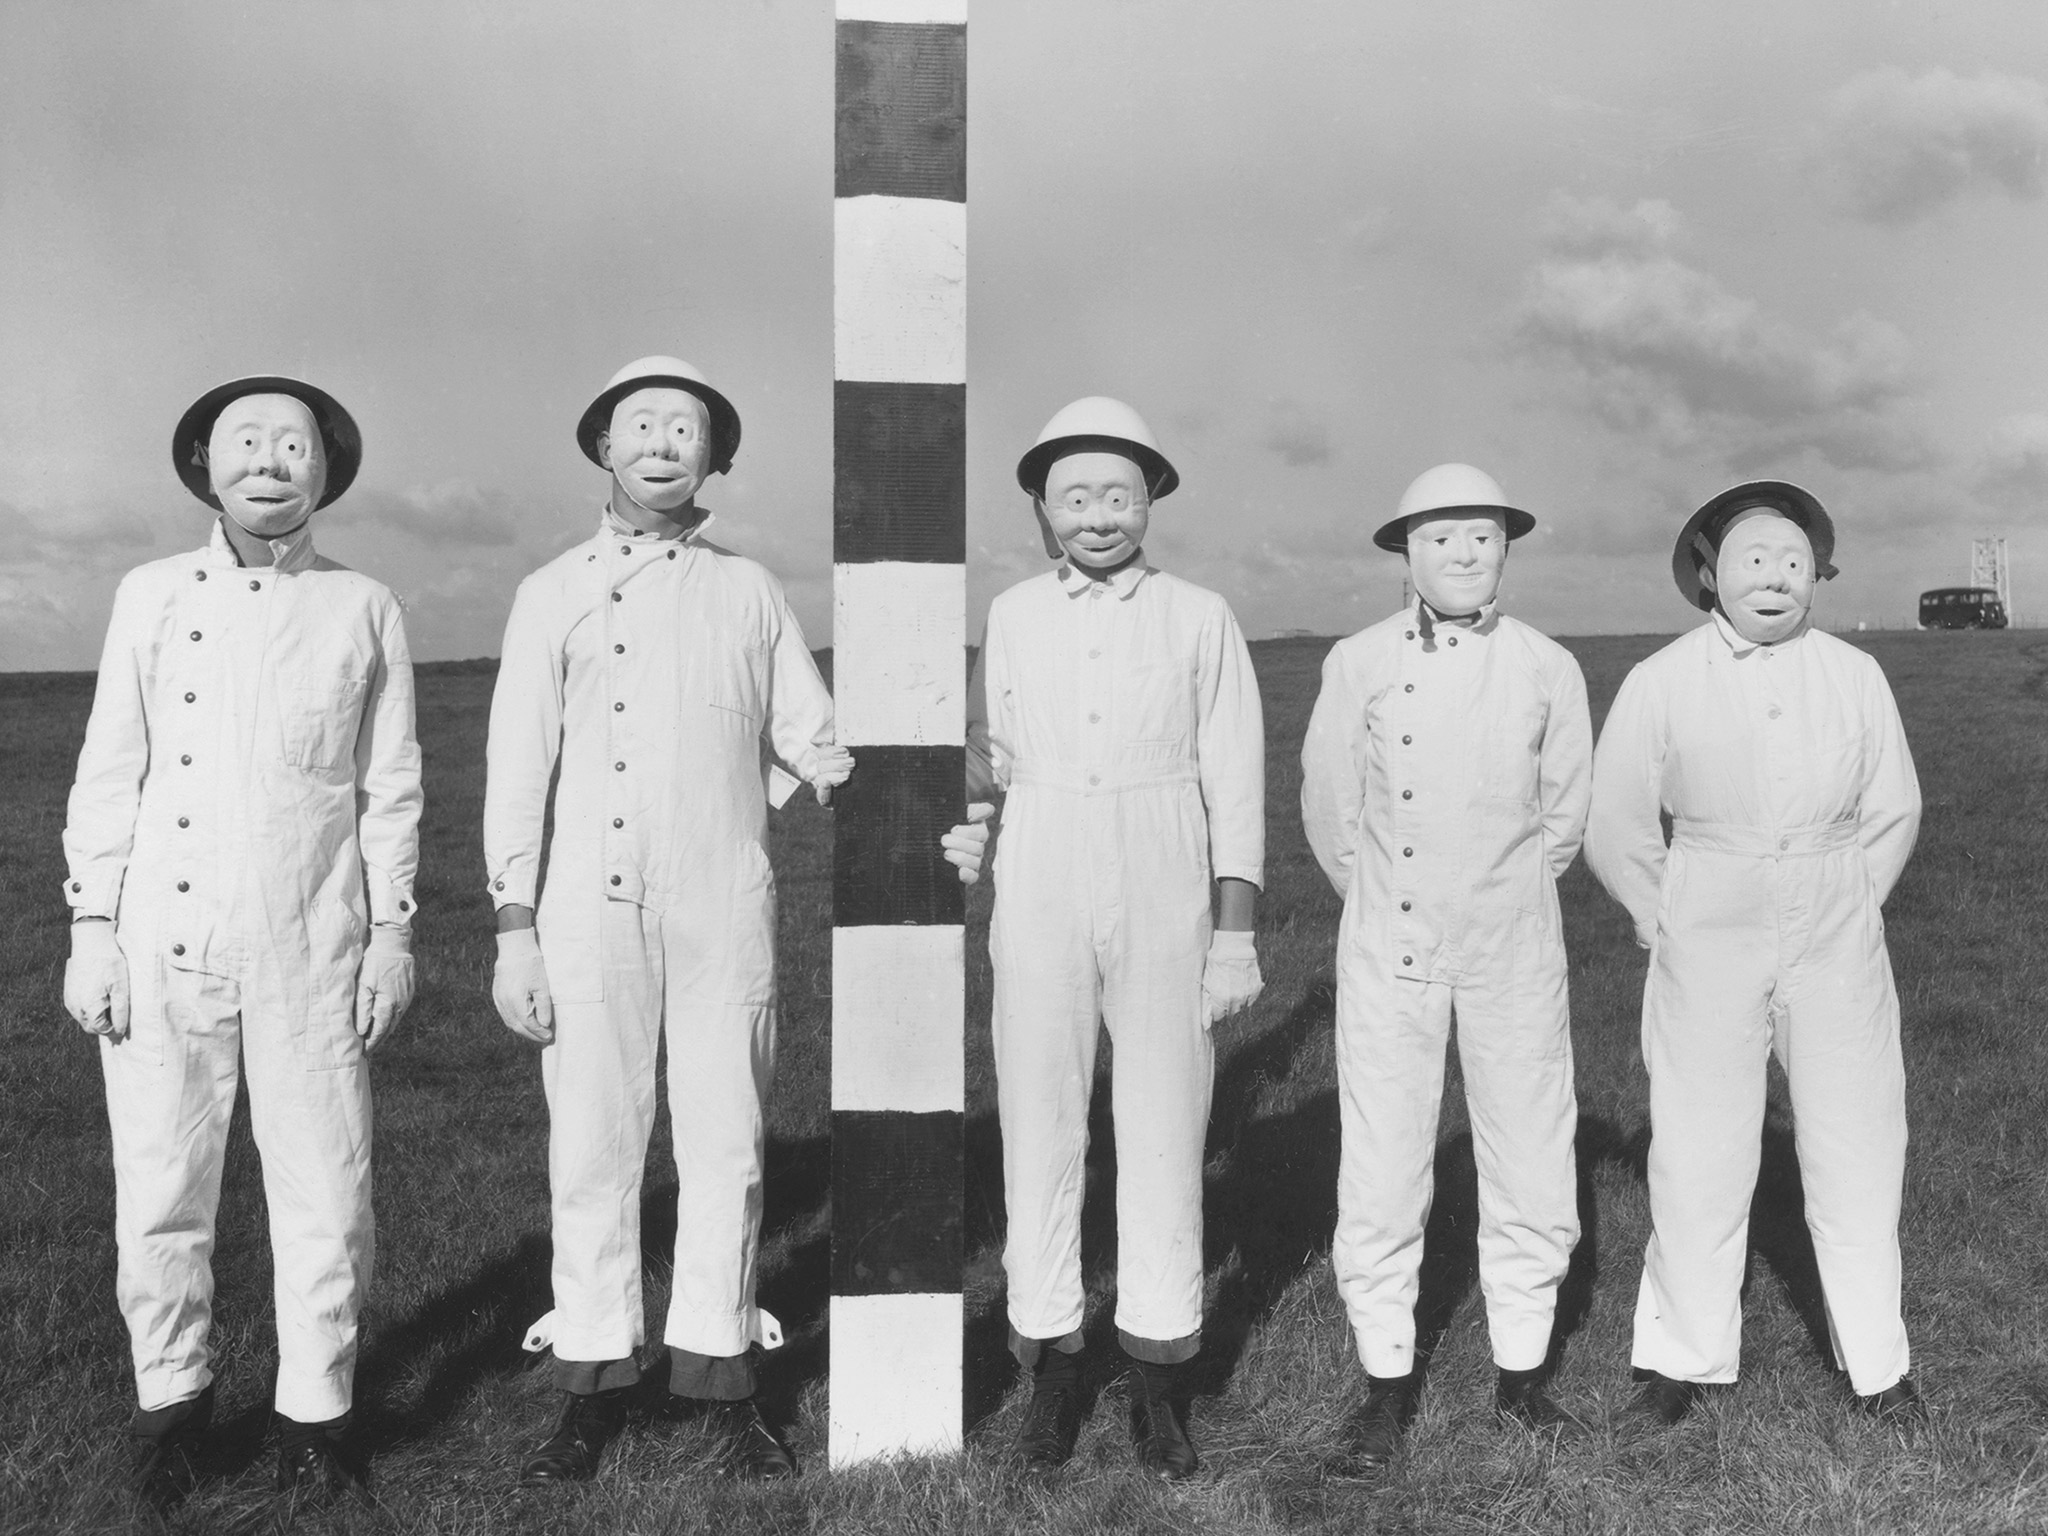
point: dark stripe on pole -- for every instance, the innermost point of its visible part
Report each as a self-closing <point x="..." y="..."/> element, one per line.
<point x="899" y="472"/>
<point x="895" y="1203"/>
<point x="902" y="95"/>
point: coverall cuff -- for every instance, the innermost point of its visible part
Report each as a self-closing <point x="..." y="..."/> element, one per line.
<point x="152" y="1423"/>
<point x="1161" y="1351"/>
<point x="391" y="904"/>
<point x="719" y="1378"/>
<point x="584" y="1377"/>
<point x="93" y="893"/>
<point x="512" y="887"/>
<point x="1253" y="874"/>
<point x="1028" y="1352"/>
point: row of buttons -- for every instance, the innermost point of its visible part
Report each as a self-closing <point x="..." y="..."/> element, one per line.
<point x="254" y="586"/>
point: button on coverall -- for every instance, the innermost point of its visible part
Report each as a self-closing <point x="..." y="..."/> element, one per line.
<point x="653" y="668"/>
<point x="247" y="803"/>
<point x="1794" y="807"/>
<point x="1445" y="777"/>
<point x="1123" y="718"/>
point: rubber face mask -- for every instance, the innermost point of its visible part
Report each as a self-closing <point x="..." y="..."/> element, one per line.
<point x="1096" y="509"/>
<point x="659" y="447"/>
<point x="1763" y="576"/>
<point x="267" y="463"/>
<point x="1455" y="562"/>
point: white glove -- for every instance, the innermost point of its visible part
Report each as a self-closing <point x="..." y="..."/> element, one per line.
<point x="1230" y="978"/>
<point x="384" y="985"/>
<point x="519" y="986"/>
<point x="966" y="843"/>
<point x="835" y="767"/>
<point x="96" y="980"/>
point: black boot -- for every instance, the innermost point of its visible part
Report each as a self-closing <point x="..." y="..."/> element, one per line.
<point x="1053" y="1420"/>
<point x="162" y="1442"/>
<point x="1898" y="1406"/>
<point x="316" y="1461"/>
<point x="572" y="1453"/>
<point x="1376" y="1427"/>
<point x="1662" y="1401"/>
<point x="1521" y="1398"/>
<point x="750" y="1449"/>
<point x="1159" y="1422"/>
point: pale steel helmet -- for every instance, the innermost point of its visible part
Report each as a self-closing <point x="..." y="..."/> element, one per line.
<point x="648" y="373"/>
<point x="340" y="438"/>
<point x="1699" y="541"/>
<point x="1450" y="488"/>
<point x="1097" y="424"/>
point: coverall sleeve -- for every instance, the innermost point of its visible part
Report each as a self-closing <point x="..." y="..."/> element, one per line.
<point x="800" y="707"/>
<point x="981" y="763"/>
<point x="525" y="739"/>
<point x="388" y="797"/>
<point x="1624" y="833"/>
<point x="1889" y="820"/>
<point x="1333" y="773"/>
<point x="1230" y="752"/>
<point x="106" y="795"/>
<point x="1566" y="767"/>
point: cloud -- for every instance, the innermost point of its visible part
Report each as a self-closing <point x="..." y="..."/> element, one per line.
<point x="1298" y="436"/>
<point x="1894" y="147"/>
<point x="1665" y="348"/>
<point x="450" y="512"/>
<point x="2013" y="473"/>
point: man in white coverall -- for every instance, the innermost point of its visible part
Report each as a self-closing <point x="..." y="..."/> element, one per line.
<point x="242" y="839"/>
<point x="660" y="672"/>
<point x="1777" y="752"/>
<point x="1116" y="706"/>
<point x="1445" y="777"/>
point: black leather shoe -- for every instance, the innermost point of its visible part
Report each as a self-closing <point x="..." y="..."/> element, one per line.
<point x="1661" y="1401"/>
<point x="1159" y="1423"/>
<point x="1376" y="1427"/>
<point x="1898" y="1405"/>
<point x="161" y="1447"/>
<point x="572" y="1453"/>
<point x="1520" y="1398"/>
<point x="751" y="1450"/>
<point x="315" y="1463"/>
<point x="1052" y="1422"/>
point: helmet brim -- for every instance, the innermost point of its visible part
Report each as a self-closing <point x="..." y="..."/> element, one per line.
<point x="1393" y="535"/>
<point x="1700" y="538"/>
<point x="340" y="439"/>
<point x="725" y="420"/>
<point x="1161" y="479"/>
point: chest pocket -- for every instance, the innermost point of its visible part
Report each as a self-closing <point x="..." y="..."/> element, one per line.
<point x="1155" y="704"/>
<point x="732" y="675"/>
<point x="319" y="726"/>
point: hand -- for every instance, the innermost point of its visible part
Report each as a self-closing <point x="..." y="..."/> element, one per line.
<point x="519" y="986"/>
<point x="1230" y="979"/>
<point x="967" y="843"/>
<point x="384" y="985"/>
<point x="96" y="980"/>
<point x="835" y="767"/>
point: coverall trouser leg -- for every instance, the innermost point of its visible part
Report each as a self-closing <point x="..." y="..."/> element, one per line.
<point x="1757" y="952"/>
<point x="170" y="1095"/>
<point x="1102" y="917"/>
<point x="1514" y="1046"/>
<point x="600" y="1080"/>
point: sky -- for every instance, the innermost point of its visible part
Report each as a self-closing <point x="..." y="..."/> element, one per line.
<point x="1617" y="255"/>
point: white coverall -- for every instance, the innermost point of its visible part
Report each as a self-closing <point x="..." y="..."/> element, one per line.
<point x="653" y="668"/>
<point x="1123" y="718"/>
<point x="247" y="803"/>
<point x="1445" y="777"/>
<point x="1794" y="807"/>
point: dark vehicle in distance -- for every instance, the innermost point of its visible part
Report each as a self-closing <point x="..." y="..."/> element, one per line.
<point x="1961" y="608"/>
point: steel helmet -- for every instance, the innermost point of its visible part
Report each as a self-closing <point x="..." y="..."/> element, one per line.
<point x="1699" y="541"/>
<point x="1446" y="489"/>
<point x="1097" y="424"/>
<point x="648" y="373"/>
<point x="340" y="439"/>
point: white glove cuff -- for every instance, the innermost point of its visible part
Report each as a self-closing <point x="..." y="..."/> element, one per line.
<point x="94" y="939"/>
<point x="1233" y="944"/>
<point x="519" y="944"/>
<point x="386" y="940"/>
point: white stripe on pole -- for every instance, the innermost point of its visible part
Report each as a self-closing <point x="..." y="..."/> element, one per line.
<point x="899" y="631"/>
<point x="895" y="1375"/>
<point x="898" y="1019"/>
<point x="899" y="313"/>
<point x="947" y="12"/>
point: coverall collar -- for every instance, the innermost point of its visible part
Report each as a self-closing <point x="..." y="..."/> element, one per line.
<point x="1122" y="584"/>
<point x="1428" y="620"/>
<point x="289" y="555"/>
<point x="1741" y="649"/>
<point x="613" y="523"/>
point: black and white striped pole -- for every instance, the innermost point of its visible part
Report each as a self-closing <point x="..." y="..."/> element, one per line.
<point x="899" y="623"/>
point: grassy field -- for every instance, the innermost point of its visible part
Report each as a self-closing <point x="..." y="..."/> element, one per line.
<point x="448" y="1402"/>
